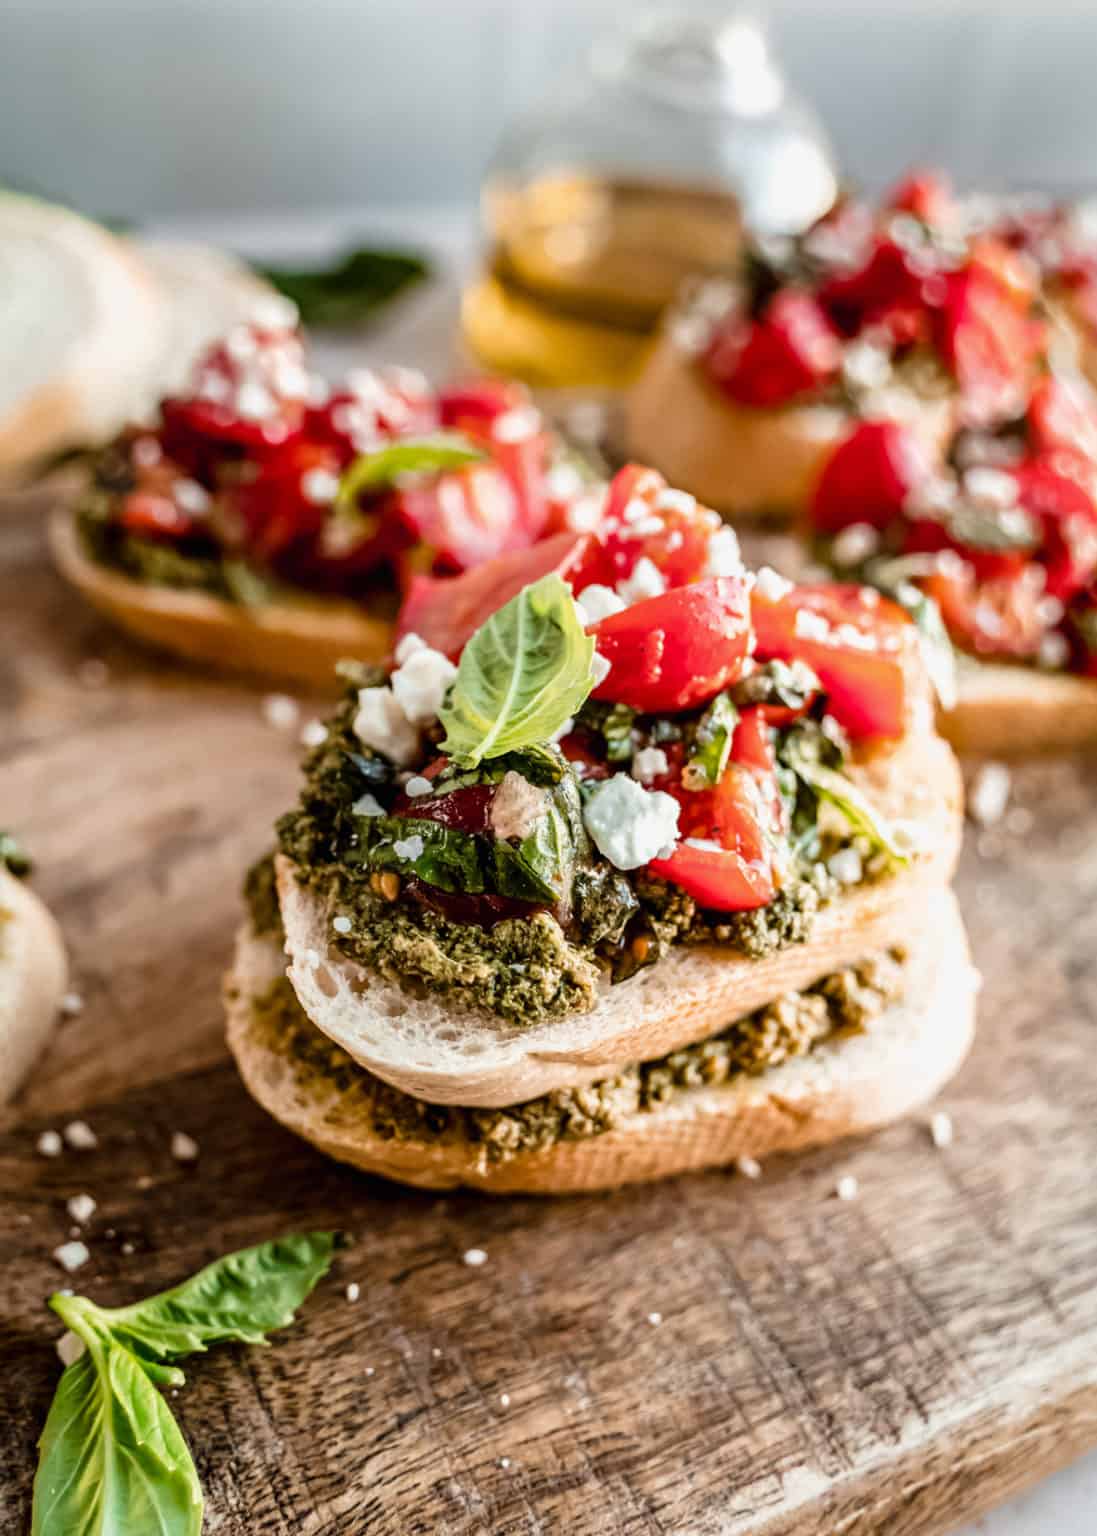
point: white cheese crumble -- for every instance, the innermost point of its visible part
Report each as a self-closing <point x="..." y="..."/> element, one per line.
<point x="381" y="724"/>
<point x="994" y="489"/>
<point x="518" y="425"/>
<point x="420" y="684"/>
<point x="630" y="825"/>
<point x="517" y="806"/>
<point x="655" y="1318"/>
<point x="184" y="1148"/>
<point x="670" y="500"/>
<point x="846" y="866"/>
<point x="313" y="733"/>
<point x="407" y="646"/>
<point x="749" y="1167"/>
<point x="563" y="481"/>
<point x="319" y="486"/>
<point x="596" y="603"/>
<point x="70" y="1347"/>
<point x="770" y="585"/>
<point x="79" y="1134"/>
<point x="1054" y="652"/>
<point x="474" y="1257"/>
<point x="809" y="625"/>
<point x="71" y="1005"/>
<point x="341" y="923"/>
<point x="280" y="711"/>
<point x="354" y="1290"/>
<point x="191" y="497"/>
<point x="409" y="848"/>
<point x="847" y="1187"/>
<point x="274" y="312"/>
<point x="49" y="1144"/>
<point x="858" y="542"/>
<point x="368" y="805"/>
<point x="72" y="1256"/>
<point x="723" y="558"/>
<point x="989" y="794"/>
<point x="81" y="1208"/>
<point x="417" y="786"/>
<point x="649" y="763"/>
<point x="599" y="668"/>
<point x="941" y="1129"/>
<point x="647" y="580"/>
<point x="254" y="401"/>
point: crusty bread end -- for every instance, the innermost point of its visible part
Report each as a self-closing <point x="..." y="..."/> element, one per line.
<point x="1004" y="711"/>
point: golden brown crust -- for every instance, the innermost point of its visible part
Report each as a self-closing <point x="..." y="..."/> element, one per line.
<point x="33" y="973"/>
<point x="298" y="642"/>
<point x="845" y="1086"/>
<point x="1015" y="711"/>
<point x="741" y="461"/>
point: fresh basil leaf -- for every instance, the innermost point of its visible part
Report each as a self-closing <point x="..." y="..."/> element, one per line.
<point x="711" y="744"/>
<point x="350" y="289"/>
<point x="241" y="1297"/>
<point x="244" y="584"/>
<point x="112" y="1461"/>
<point x="860" y="816"/>
<point x="522" y="674"/>
<point x="551" y="851"/>
<point x="614" y="723"/>
<point x="439" y="855"/>
<point x="787" y="684"/>
<point x="604" y="903"/>
<point x="429" y="455"/>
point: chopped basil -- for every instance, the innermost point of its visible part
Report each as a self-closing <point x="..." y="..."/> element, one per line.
<point x="711" y="744"/>
<point x="787" y="684"/>
<point x="350" y="289"/>
<point x="811" y="762"/>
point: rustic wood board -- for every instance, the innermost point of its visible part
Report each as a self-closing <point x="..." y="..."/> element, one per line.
<point x="898" y="1363"/>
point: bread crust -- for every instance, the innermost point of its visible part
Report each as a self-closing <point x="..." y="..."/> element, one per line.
<point x="463" y="1056"/>
<point x="33" y="977"/>
<point x="742" y="461"/>
<point x="845" y="1086"/>
<point x="298" y="641"/>
<point x="1016" y="711"/>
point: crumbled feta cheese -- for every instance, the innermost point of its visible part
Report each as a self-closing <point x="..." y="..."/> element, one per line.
<point x="705" y="844"/>
<point x="381" y="724"/>
<point x="354" y="1290"/>
<point x="146" y="452"/>
<point x="407" y="646"/>
<point x="70" y="1346"/>
<point x="723" y="557"/>
<point x="809" y="625"/>
<point x="585" y="512"/>
<point x="518" y="425"/>
<point x="563" y="481"/>
<point x="596" y="602"/>
<point x="273" y="312"/>
<point x="1054" y="651"/>
<point x="655" y="1318"/>
<point x="865" y="365"/>
<point x="341" y="923"/>
<point x="517" y="806"/>
<point x="71" y="1004"/>
<point x="749" y="1167"/>
<point x="184" y="1148"/>
<point x="993" y="489"/>
<point x="847" y="1187"/>
<point x="474" y="1257"/>
<point x="368" y="805"/>
<point x="647" y="580"/>
<point x="71" y="1256"/>
<point x="649" y="763"/>
<point x="81" y="1208"/>
<point x="409" y="848"/>
<point x="846" y="866"/>
<point x="599" y="668"/>
<point x="280" y="711"/>
<point x="313" y="733"/>
<point x="769" y="585"/>
<point x="191" y="497"/>
<point x="628" y="824"/>
<point x="319" y="392"/>
<point x="941" y="1129"/>
<point x="989" y="794"/>
<point x="319" y="486"/>
<point x="80" y="1135"/>
<point x="854" y="544"/>
<point x="670" y="500"/>
<point x="420" y="684"/>
<point x="254" y="401"/>
<point x="49" y="1144"/>
<point x="416" y="786"/>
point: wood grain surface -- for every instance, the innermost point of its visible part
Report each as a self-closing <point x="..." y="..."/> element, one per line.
<point x="708" y="1356"/>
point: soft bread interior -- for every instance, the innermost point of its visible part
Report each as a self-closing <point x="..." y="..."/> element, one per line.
<point x="33" y="974"/>
<point x="435" y="1051"/>
<point x="1004" y="711"/>
<point x="847" y="1084"/>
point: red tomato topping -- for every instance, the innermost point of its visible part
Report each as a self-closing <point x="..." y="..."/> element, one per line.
<point x="869" y="477"/>
<point x="371" y="409"/>
<point x="1062" y="416"/>
<point x="790" y="351"/>
<point x="927" y="536"/>
<point x="645" y="519"/>
<point x="925" y="194"/>
<point x="249" y="393"/>
<point x="857" y="644"/>
<point x="990" y="618"/>
<point x="677" y="650"/>
<point x="892" y="292"/>
<point x="1067" y="515"/>
<point x="987" y="339"/>
<point x="717" y="878"/>
<point x="286" y="503"/>
<point x="477" y="402"/>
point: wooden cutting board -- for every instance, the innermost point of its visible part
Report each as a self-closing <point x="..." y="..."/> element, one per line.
<point x="707" y="1356"/>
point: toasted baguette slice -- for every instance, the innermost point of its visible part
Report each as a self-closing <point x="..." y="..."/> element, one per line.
<point x="81" y="326"/>
<point x="33" y="976"/>
<point x="1004" y="711"/>
<point x="743" y="462"/>
<point x="847" y="1084"/>
<point x="449" y="1055"/>
<point x="298" y="641"/>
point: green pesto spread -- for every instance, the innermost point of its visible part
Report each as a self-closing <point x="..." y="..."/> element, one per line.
<point x="846" y="1002"/>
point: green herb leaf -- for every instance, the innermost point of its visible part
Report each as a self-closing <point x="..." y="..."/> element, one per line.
<point x="13" y="856"/>
<point x="244" y="584"/>
<point x="241" y="1297"/>
<point x="711" y="744"/>
<point x="112" y="1461"/>
<point x="351" y="289"/>
<point x="787" y="684"/>
<point x="557" y="842"/>
<point x="893" y="577"/>
<point x="446" y="858"/>
<point x="523" y="673"/>
<point x="429" y="455"/>
<point x="861" y="817"/>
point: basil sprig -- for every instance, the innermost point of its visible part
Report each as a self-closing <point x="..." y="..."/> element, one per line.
<point x="524" y="672"/>
<point x="711" y="744"/>
<point x="809" y="775"/>
<point x="429" y="455"/>
<point x="112" y="1461"/>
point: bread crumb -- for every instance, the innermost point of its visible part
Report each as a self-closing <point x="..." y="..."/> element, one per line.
<point x="72" y="1256"/>
<point x="847" y="1187"/>
<point x="280" y="711"/>
<point x="81" y="1208"/>
<point x="70" y="1346"/>
<point x="474" y="1257"/>
<point x="436" y="1353"/>
<point x="941" y="1129"/>
<point x="749" y="1167"/>
<point x="354" y="1290"/>
<point x="79" y="1134"/>
<point x="49" y="1144"/>
<point x="184" y="1148"/>
<point x="128" y="1248"/>
<point x="989" y="794"/>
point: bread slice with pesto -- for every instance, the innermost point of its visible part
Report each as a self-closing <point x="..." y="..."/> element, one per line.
<point x="667" y="1118"/>
<point x="1015" y="711"/>
<point x="33" y="974"/>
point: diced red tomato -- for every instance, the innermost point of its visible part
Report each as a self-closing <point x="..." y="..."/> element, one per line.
<point x="645" y="519"/>
<point x="278" y="507"/>
<point x="677" y="650"/>
<point x="523" y="459"/>
<point x="990" y="618"/>
<point x="857" y="643"/>
<point x="1062" y="416"/>
<point x="987" y="340"/>
<point x="927" y="536"/>
<point x="465" y="516"/>
<point x="372" y="408"/>
<point x="925" y="194"/>
<point x="477" y="402"/>
<point x="717" y="878"/>
<point x="869" y="477"/>
<point x="1067" y="515"/>
<point x="790" y="351"/>
<point x="892" y="293"/>
<point x="155" y="515"/>
<point x="248" y="393"/>
<point x="446" y="610"/>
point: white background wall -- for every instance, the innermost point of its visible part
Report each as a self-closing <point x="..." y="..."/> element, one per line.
<point x="143" y="107"/>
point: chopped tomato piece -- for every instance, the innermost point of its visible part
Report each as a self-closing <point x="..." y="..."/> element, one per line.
<point x="892" y="292"/>
<point x="791" y="350"/>
<point x="677" y="650"/>
<point x="446" y="610"/>
<point x="925" y="194"/>
<point x="155" y="514"/>
<point x="990" y="618"/>
<point x="248" y="393"/>
<point x="924" y="535"/>
<point x="869" y="477"/>
<point x="987" y="340"/>
<point x="1067" y="515"/>
<point x="717" y="878"/>
<point x="477" y="402"/>
<point x="645" y="519"/>
<point x="289" y="497"/>
<point x="1062" y="415"/>
<point x="373" y="408"/>
<point x="465" y="516"/>
<point x="856" y="642"/>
